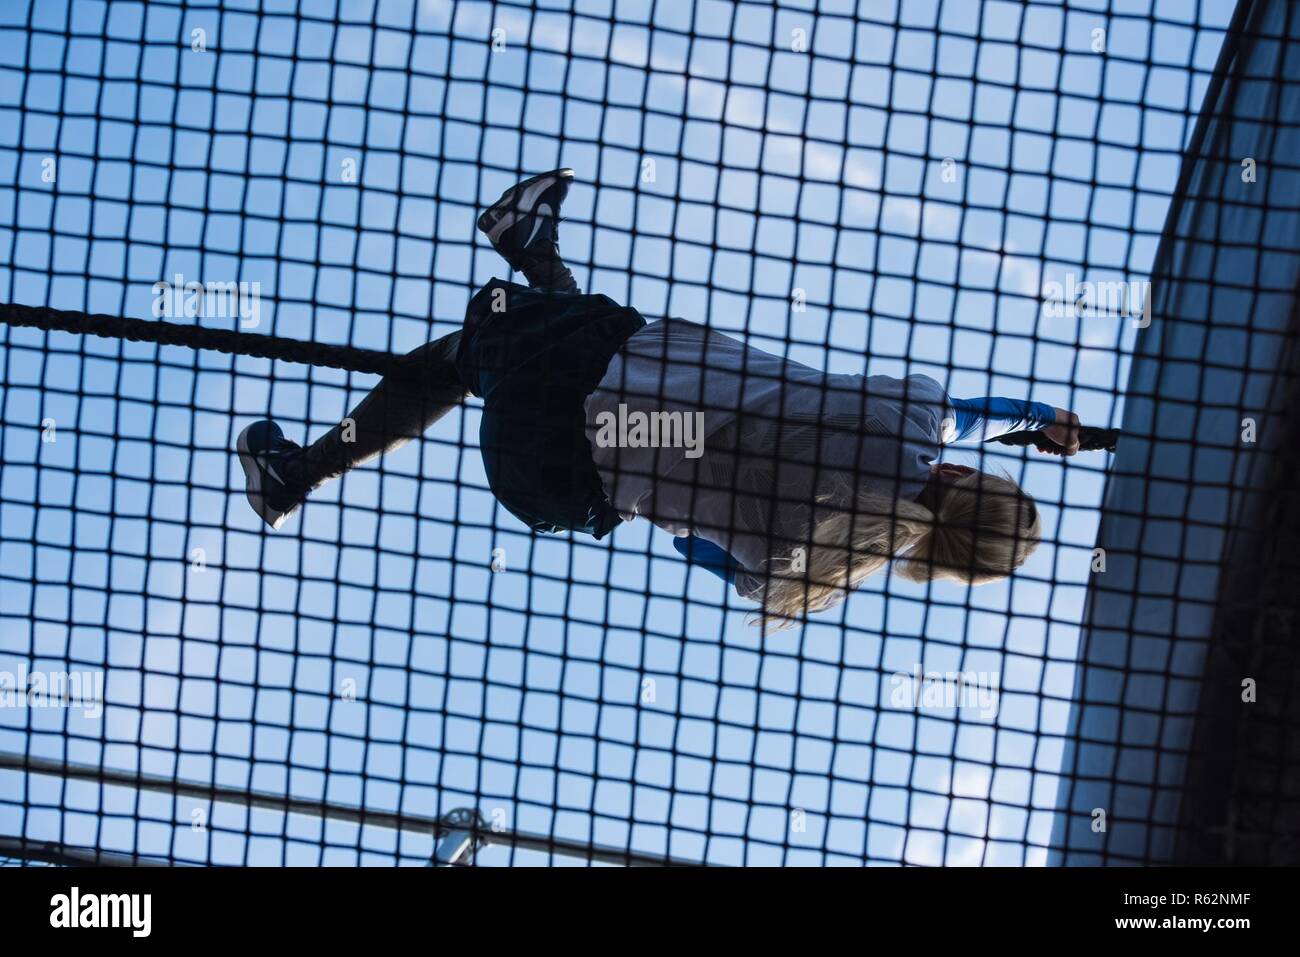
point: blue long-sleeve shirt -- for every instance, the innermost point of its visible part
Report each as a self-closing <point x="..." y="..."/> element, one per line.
<point x="990" y="416"/>
<point x="986" y="417"/>
<point x="702" y="552"/>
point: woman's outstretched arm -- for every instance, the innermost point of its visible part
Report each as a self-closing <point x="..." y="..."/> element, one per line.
<point x="987" y="417"/>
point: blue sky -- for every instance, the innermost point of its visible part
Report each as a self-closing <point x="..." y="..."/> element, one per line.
<point x="526" y="692"/>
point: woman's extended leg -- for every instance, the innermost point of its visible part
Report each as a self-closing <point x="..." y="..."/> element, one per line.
<point x="402" y="407"/>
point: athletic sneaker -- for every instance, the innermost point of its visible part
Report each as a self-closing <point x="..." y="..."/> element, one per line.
<point x="273" y="466"/>
<point x="523" y="226"/>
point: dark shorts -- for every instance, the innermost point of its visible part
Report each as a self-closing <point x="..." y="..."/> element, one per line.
<point x="534" y="357"/>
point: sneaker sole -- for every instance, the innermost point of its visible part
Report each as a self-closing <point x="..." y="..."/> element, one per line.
<point x="253" y="472"/>
<point x="519" y="201"/>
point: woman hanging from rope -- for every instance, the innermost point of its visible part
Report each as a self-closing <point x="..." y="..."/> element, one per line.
<point x="792" y="484"/>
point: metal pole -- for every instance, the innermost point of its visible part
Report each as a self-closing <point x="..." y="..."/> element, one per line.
<point x="336" y="812"/>
<point x="70" y="855"/>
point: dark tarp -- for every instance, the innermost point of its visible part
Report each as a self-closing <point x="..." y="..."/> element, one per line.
<point x="1188" y="481"/>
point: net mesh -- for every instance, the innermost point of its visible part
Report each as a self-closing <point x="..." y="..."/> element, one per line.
<point x="898" y="181"/>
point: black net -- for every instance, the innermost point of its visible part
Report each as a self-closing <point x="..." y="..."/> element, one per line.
<point x="941" y="188"/>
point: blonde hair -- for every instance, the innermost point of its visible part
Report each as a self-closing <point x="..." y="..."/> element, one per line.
<point x="975" y="529"/>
